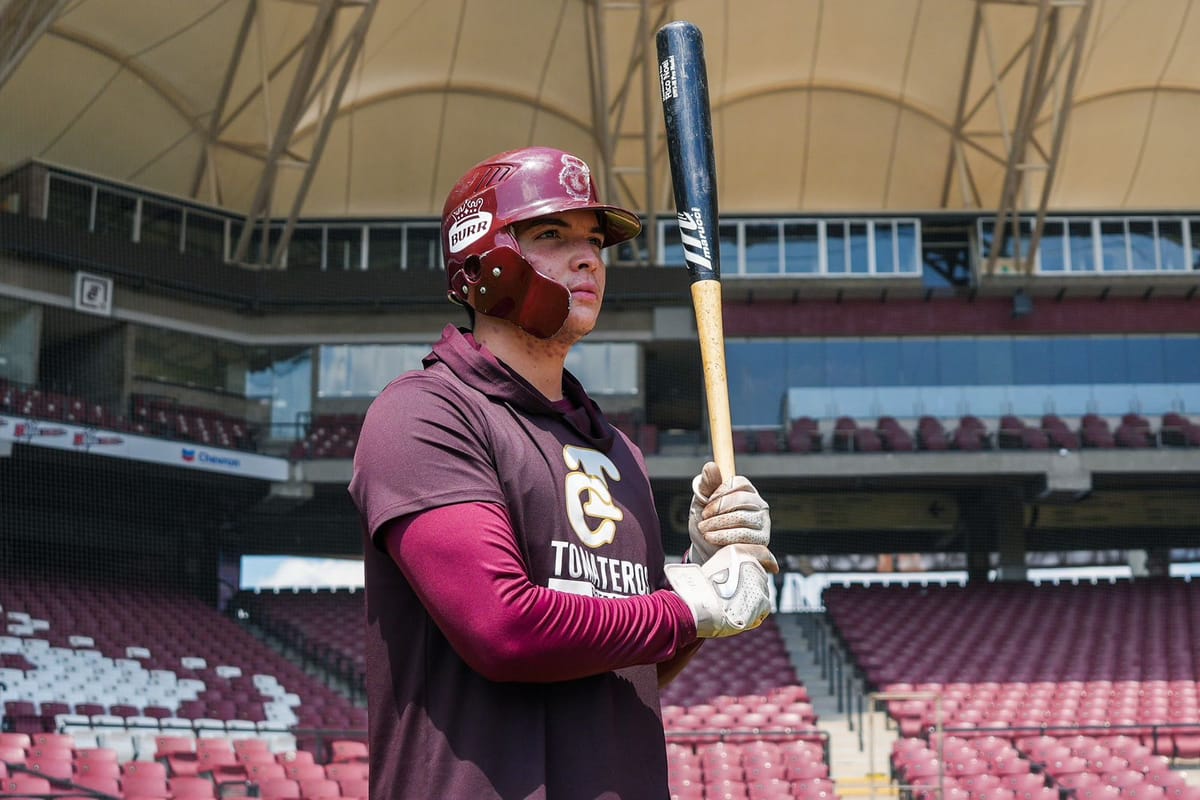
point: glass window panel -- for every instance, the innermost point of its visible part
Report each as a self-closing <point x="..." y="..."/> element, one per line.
<point x="1145" y="359"/>
<point x="205" y="236"/>
<point x="762" y="248"/>
<point x="843" y="362"/>
<point x="987" y="236"/>
<point x="986" y="229"/>
<point x="860" y="248"/>
<point x="286" y="383"/>
<point x="1107" y="360"/>
<point x="189" y="360"/>
<point x="1194" y="230"/>
<point x="1083" y="252"/>
<point x="672" y="247"/>
<point x="385" y="249"/>
<point x="1052" y="253"/>
<point x="909" y="261"/>
<point x="363" y="370"/>
<point x="885" y="248"/>
<point x="1031" y="362"/>
<point x="1069" y="361"/>
<point x="343" y="248"/>
<point x="956" y="362"/>
<point x="1112" y="245"/>
<point x="805" y="362"/>
<point x="881" y="362"/>
<point x="20" y="333"/>
<point x="254" y="252"/>
<point x="918" y="362"/>
<point x="835" y="247"/>
<point x="630" y="251"/>
<point x="727" y="241"/>
<point x="160" y="224"/>
<point x="1108" y="399"/>
<point x="801" y="248"/>
<point x="69" y="203"/>
<point x="1141" y="244"/>
<point x="993" y="357"/>
<point x="304" y="251"/>
<point x="757" y="381"/>
<point x="1171" y="252"/>
<point x="1181" y="359"/>
<point x="605" y="368"/>
<point x="114" y="214"/>
<point x="424" y="247"/>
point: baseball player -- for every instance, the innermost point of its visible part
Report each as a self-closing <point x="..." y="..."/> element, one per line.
<point x="520" y="617"/>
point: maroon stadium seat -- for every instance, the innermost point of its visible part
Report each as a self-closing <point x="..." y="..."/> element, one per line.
<point x="931" y="435"/>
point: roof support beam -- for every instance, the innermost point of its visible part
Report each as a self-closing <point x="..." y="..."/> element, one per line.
<point x="306" y="84"/>
<point x="205" y="161"/>
<point x="609" y="107"/>
<point x="22" y="22"/>
<point x="1046" y="85"/>
<point x="347" y="55"/>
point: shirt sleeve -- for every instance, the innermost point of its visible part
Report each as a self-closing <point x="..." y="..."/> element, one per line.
<point x="477" y="591"/>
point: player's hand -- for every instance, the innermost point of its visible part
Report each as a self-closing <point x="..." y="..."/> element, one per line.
<point x="729" y="513"/>
<point x="728" y="595"/>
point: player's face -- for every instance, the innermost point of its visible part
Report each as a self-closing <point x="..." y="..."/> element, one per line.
<point x="566" y="247"/>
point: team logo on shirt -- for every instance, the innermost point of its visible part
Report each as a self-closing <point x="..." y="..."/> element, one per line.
<point x="590" y="508"/>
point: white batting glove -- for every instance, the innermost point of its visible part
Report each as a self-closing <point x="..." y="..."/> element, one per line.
<point x="728" y="595"/>
<point x="723" y="514"/>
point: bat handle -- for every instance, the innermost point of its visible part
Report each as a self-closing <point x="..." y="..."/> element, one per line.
<point x="706" y="300"/>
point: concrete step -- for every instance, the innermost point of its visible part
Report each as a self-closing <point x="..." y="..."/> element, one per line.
<point x="873" y="785"/>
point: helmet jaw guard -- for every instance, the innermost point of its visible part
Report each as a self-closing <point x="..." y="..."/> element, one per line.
<point x="484" y="266"/>
<point x="501" y="283"/>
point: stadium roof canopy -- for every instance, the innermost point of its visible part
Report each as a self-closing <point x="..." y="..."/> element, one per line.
<point x="372" y="107"/>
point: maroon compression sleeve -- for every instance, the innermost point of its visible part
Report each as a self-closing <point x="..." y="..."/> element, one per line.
<point x="463" y="562"/>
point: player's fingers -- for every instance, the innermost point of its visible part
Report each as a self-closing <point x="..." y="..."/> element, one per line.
<point x="709" y="480"/>
<point x="736" y="528"/>
<point x="736" y="498"/>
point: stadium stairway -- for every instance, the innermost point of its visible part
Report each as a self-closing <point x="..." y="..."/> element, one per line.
<point x="855" y="772"/>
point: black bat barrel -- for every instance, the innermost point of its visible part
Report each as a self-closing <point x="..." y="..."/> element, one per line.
<point x="683" y="79"/>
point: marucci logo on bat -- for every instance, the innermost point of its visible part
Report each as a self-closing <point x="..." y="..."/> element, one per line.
<point x="695" y="247"/>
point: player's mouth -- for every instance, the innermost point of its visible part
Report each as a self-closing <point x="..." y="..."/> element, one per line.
<point x="585" y="292"/>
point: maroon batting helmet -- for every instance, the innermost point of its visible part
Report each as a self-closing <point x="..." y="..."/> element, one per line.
<point x="484" y="266"/>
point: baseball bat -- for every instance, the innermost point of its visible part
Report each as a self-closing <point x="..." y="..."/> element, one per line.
<point x="683" y="79"/>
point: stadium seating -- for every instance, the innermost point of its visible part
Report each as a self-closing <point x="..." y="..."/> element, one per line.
<point x="1021" y="672"/>
<point x="850" y="437"/>
<point x="1014" y="433"/>
<point x="75" y="770"/>
<point x="1179" y="431"/>
<point x="893" y="436"/>
<point x="336" y="435"/>
<point x="211" y="675"/>
<point x="931" y="435"/>
<point x="804" y="436"/>
<point x="1059" y="435"/>
<point x="740" y="724"/>
<point x="1094" y="431"/>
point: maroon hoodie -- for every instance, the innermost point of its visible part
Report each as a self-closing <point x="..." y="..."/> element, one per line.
<point x="512" y="560"/>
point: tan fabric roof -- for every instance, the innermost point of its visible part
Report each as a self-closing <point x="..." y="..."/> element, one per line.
<point x="818" y="105"/>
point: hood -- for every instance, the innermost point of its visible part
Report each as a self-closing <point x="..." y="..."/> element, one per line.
<point x="478" y="368"/>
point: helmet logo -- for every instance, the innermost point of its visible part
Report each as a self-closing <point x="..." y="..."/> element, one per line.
<point x="471" y="222"/>
<point x="575" y="177"/>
